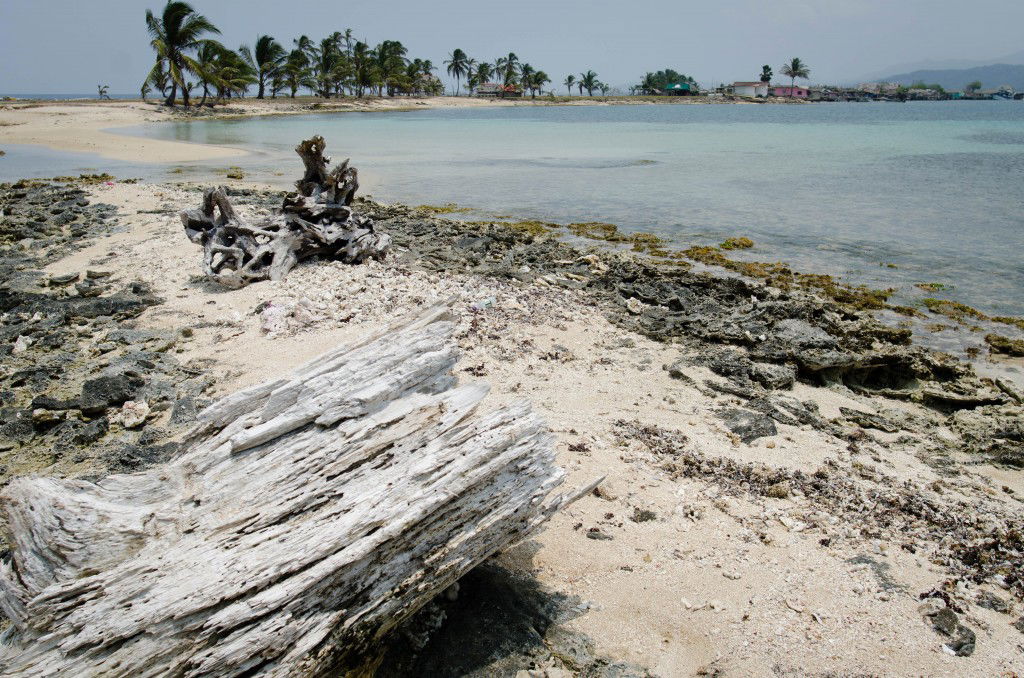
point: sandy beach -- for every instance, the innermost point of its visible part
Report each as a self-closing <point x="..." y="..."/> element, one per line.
<point x="85" y="126"/>
<point x="683" y="562"/>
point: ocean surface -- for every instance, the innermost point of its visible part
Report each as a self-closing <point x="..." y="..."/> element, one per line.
<point x="883" y="194"/>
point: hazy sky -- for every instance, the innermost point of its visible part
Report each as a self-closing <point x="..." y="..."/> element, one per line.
<point x="50" y="46"/>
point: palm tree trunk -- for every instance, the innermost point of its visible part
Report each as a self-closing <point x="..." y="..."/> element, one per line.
<point x="206" y="92"/>
<point x="173" y="95"/>
<point x="792" y="84"/>
<point x="262" y="84"/>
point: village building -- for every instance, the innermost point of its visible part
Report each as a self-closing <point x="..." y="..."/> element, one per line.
<point x="680" y="89"/>
<point x="750" y="89"/>
<point x="498" y="91"/>
<point x="790" y="91"/>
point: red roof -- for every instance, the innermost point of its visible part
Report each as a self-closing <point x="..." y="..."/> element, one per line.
<point x="748" y="84"/>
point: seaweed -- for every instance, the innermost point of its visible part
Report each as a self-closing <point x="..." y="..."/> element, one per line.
<point x="737" y="244"/>
<point x="1000" y="344"/>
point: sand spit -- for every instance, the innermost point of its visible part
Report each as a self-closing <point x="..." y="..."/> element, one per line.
<point x="84" y="126"/>
<point x="792" y="505"/>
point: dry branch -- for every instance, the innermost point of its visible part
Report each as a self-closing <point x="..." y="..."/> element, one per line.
<point x="316" y="221"/>
<point x="305" y="519"/>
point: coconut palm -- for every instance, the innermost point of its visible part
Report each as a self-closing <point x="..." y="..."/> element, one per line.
<point x="766" y="74"/>
<point x="536" y="82"/>
<point x="526" y="72"/>
<point x="296" y="71"/>
<point x="206" y="57"/>
<point x="456" y="63"/>
<point x="364" y="67"/>
<point x="570" y="80"/>
<point x="265" y="59"/>
<point x="509" y="69"/>
<point x="588" y="81"/>
<point x="793" y="70"/>
<point x="604" y="88"/>
<point x="484" y="72"/>
<point x="391" y="63"/>
<point x="178" y="31"/>
<point x="471" y="78"/>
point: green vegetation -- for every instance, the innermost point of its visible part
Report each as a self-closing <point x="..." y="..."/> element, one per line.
<point x="737" y="244"/>
<point x="795" y="69"/>
<point x="921" y="84"/>
<point x="174" y="36"/>
<point x="335" y="66"/>
<point x="766" y="74"/>
<point x="447" y="208"/>
<point x="265" y="60"/>
<point x="1008" y="320"/>
<point x="952" y="309"/>
<point x="972" y="87"/>
<point x="457" y="64"/>
<point x="933" y="287"/>
<point x="655" y="83"/>
<point x="1001" y="344"/>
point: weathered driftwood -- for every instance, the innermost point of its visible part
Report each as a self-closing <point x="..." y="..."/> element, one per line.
<point x="316" y="221"/>
<point x="306" y="518"/>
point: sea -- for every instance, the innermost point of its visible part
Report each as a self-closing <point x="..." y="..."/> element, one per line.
<point x="880" y="194"/>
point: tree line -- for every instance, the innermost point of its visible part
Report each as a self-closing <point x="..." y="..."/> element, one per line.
<point x="187" y="57"/>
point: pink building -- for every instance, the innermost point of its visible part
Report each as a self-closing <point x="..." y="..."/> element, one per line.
<point x="787" y="91"/>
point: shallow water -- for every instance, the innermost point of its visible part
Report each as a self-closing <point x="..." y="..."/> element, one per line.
<point x="935" y="189"/>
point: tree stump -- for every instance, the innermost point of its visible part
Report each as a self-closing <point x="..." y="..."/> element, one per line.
<point x="315" y="221"/>
<point x="305" y="518"/>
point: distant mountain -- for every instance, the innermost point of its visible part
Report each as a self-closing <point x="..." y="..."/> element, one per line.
<point x="943" y="65"/>
<point x="992" y="76"/>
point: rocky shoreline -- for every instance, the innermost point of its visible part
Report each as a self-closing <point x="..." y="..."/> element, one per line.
<point x="91" y="385"/>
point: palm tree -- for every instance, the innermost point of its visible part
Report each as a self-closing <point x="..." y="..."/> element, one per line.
<point x="296" y="71"/>
<point x="588" y="81"/>
<point x="570" y="80"/>
<point x="526" y="72"/>
<point x="537" y="82"/>
<point x="484" y="72"/>
<point x="391" y="63"/>
<point x="471" y="76"/>
<point x="793" y="70"/>
<point x="206" y="57"/>
<point x="363" y="67"/>
<point x="178" y="31"/>
<point x="456" y="63"/>
<point x="509" y="68"/>
<point x="766" y="74"/>
<point x="265" y="59"/>
<point x="604" y="88"/>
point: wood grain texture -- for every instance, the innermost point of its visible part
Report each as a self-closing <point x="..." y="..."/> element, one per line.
<point x="305" y="518"/>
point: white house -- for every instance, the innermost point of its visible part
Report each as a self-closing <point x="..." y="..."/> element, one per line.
<point x="750" y="89"/>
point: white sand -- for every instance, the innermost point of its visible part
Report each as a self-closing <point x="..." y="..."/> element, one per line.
<point x="782" y="603"/>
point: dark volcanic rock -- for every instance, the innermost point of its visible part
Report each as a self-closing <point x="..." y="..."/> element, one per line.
<point x="108" y="391"/>
<point x="749" y="426"/>
<point x="961" y="639"/>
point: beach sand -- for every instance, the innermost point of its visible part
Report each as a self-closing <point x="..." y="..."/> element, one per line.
<point x="84" y="126"/>
<point x="695" y="577"/>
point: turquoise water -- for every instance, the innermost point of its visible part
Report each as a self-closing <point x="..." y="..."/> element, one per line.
<point x="936" y="189"/>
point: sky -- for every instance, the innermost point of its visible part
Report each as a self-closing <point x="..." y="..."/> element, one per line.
<point x="70" y="46"/>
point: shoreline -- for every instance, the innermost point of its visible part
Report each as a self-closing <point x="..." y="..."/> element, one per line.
<point x="724" y="537"/>
<point x="85" y="126"/>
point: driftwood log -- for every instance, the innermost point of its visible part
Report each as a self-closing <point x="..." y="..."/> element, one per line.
<point x="317" y="220"/>
<point x="305" y="519"/>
